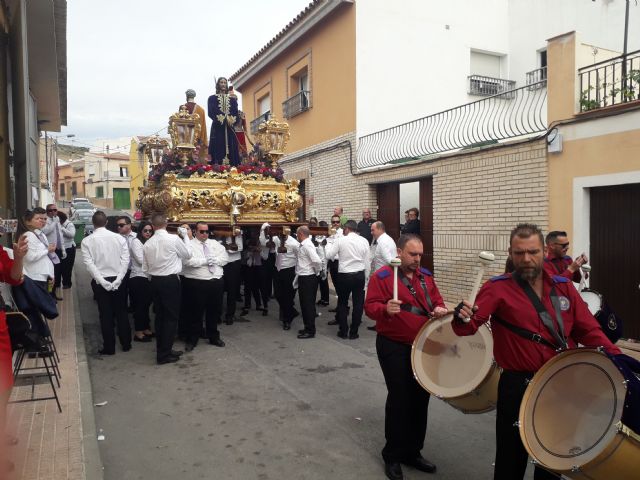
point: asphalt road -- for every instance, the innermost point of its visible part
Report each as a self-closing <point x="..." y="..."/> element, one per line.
<point x="267" y="406"/>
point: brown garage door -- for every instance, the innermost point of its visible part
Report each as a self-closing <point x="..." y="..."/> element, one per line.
<point x="615" y="244"/>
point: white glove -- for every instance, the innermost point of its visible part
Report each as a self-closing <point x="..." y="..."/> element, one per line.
<point x="264" y="225"/>
<point x="108" y="286"/>
<point x="182" y="232"/>
<point x="116" y="284"/>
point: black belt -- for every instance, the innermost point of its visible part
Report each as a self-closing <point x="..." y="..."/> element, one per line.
<point x="405" y="307"/>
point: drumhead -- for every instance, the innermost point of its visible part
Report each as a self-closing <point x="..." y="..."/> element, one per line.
<point x="447" y="365"/>
<point x="593" y="300"/>
<point x="571" y="407"/>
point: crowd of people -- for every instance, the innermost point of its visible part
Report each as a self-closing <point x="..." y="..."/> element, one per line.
<point x="183" y="277"/>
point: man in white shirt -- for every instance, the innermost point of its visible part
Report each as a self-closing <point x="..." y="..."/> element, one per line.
<point x="107" y="257"/>
<point x="268" y="254"/>
<point x="162" y="261"/>
<point x="204" y="286"/>
<point x="383" y="249"/>
<point x="232" y="277"/>
<point x="285" y="274"/>
<point x="354" y="266"/>
<point x="54" y="236"/>
<point x="307" y="269"/>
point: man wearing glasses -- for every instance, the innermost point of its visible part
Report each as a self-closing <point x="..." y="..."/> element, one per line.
<point x="53" y="232"/>
<point x="557" y="262"/>
<point x="204" y="286"/>
<point x="124" y="228"/>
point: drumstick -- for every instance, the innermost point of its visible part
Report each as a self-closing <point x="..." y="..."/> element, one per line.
<point x="586" y="269"/>
<point x="395" y="263"/>
<point x="485" y="259"/>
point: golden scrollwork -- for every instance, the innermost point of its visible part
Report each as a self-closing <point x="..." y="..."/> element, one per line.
<point x="184" y="129"/>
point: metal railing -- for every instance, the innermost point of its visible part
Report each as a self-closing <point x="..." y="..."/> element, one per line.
<point x="610" y="82"/>
<point x="511" y="114"/>
<point x="297" y="104"/>
<point x="489" y="86"/>
<point x="537" y="78"/>
<point x="255" y="123"/>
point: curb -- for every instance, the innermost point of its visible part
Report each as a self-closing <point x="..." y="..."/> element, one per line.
<point x="93" y="468"/>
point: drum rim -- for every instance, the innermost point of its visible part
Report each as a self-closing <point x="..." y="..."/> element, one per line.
<point x="530" y="396"/>
<point x="487" y="370"/>
<point x="600" y="296"/>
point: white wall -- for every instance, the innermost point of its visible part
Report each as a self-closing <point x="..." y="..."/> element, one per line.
<point x="409" y="64"/>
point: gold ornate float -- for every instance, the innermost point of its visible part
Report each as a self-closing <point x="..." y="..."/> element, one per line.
<point x="243" y="195"/>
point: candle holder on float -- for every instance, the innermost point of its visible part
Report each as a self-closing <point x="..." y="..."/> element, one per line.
<point x="184" y="128"/>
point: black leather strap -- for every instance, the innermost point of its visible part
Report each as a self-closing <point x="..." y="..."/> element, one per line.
<point x="523" y="332"/>
<point x="406" y="283"/>
<point x="544" y="315"/>
<point x="405" y="307"/>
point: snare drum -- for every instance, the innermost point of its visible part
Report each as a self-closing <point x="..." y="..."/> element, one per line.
<point x="577" y="416"/>
<point x="459" y="370"/>
<point x="609" y="322"/>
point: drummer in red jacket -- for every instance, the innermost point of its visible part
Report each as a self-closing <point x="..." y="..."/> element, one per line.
<point x="522" y="340"/>
<point x="398" y="323"/>
<point x="557" y="262"/>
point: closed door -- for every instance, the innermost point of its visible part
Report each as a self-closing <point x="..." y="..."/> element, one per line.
<point x="426" y="221"/>
<point x="389" y="208"/>
<point x="121" y="199"/>
<point x="614" y="241"/>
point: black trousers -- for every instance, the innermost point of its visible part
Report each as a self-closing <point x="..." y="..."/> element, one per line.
<point x="285" y="293"/>
<point x="185" y="313"/>
<point x="166" y="292"/>
<point x="140" y="293"/>
<point x="511" y="456"/>
<point x="323" y="286"/>
<point x="231" y="279"/>
<point x="350" y="284"/>
<point x="252" y="286"/>
<point x="268" y="273"/>
<point x="57" y="270"/>
<point x="112" y="310"/>
<point x="205" y="299"/>
<point x="405" y="421"/>
<point x="67" y="266"/>
<point x="307" y="288"/>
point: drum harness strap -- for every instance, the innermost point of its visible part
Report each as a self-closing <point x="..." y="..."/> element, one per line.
<point x="559" y="337"/>
<point x="411" y="308"/>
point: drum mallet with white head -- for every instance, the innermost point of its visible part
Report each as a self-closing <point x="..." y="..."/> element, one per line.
<point x="395" y="263"/>
<point x="486" y="258"/>
<point x="586" y="269"/>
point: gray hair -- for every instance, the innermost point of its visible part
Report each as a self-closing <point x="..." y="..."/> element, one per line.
<point x="379" y="225"/>
<point x="303" y="229"/>
<point x="351" y="225"/>
<point x="190" y="93"/>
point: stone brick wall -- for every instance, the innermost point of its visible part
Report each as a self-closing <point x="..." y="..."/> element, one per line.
<point x="478" y="198"/>
<point x="328" y="179"/>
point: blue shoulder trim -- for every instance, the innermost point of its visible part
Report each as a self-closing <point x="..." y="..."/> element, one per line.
<point x="383" y="273"/>
<point x="499" y="277"/>
<point x="559" y="279"/>
<point x="567" y="257"/>
<point x="425" y="271"/>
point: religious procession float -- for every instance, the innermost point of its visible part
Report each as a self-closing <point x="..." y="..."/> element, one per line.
<point x="233" y="186"/>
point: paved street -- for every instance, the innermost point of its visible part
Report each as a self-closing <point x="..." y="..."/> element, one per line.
<point x="267" y="406"/>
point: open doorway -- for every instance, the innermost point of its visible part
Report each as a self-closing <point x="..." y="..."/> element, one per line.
<point x="409" y="198"/>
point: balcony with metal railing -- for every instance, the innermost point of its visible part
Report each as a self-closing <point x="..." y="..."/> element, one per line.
<point x="537" y="78"/>
<point x="610" y="82"/>
<point x="255" y="123"/>
<point x="488" y="86"/>
<point x="297" y="104"/>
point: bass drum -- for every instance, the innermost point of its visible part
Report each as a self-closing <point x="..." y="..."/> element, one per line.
<point x="459" y="370"/>
<point x="578" y="416"/>
<point x="610" y="323"/>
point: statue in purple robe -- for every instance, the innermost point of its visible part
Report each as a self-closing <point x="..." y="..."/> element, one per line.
<point x="223" y="112"/>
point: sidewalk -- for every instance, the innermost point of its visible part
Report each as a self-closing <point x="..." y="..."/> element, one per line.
<point x="55" y="445"/>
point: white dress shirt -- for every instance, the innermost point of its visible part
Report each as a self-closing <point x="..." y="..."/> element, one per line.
<point x="309" y="262"/>
<point x="383" y="250"/>
<point x="197" y="267"/>
<point x="290" y="258"/>
<point x="163" y="254"/>
<point x="137" y="255"/>
<point x="53" y="231"/>
<point x="68" y="231"/>
<point x="235" y="255"/>
<point x="36" y="264"/>
<point x="129" y="237"/>
<point x="330" y="240"/>
<point x="105" y="254"/>
<point x="353" y="253"/>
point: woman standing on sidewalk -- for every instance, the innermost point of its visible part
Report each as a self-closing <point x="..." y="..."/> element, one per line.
<point x="140" y="287"/>
<point x="68" y="231"/>
<point x="11" y="273"/>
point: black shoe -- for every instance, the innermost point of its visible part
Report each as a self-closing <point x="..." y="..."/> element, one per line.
<point x="58" y="298"/>
<point x="150" y="335"/>
<point x="144" y="339"/>
<point x="422" y="464"/>
<point x="304" y="330"/>
<point x="333" y="310"/>
<point x="306" y="335"/>
<point x="373" y="328"/>
<point x="286" y="325"/>
<point x="244" y="312"/>
<point x="353" y="336"/>
<point x="393" y="471"/>
<point x="265" y="312"/>
<point x="169" y="359"/>
<point x="333" y="322"/>
<point x="106" y="352"/>
<point x="176" y="353"/>
<point x="66" y="287"/>
<point x="342" y="335"/>
<point x="126" y="348"/>
<point x="189" y="347"/>
<point x="217" y="342"/>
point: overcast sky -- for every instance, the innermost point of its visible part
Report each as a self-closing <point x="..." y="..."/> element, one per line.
<point x="130" y="62"/>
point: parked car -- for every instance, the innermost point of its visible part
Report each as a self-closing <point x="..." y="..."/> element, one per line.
<point x="86" y="206"/>
<point x="83" y="216"/>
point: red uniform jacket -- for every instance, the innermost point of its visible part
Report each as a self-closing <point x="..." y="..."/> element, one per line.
<point x="559" y="266"/>
<point x="404" y="326"/>
<point x="503" y="297"/>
